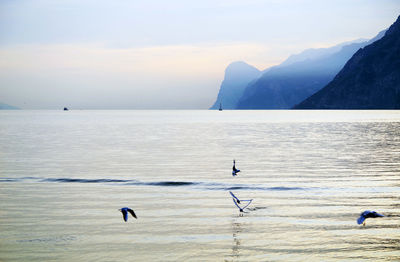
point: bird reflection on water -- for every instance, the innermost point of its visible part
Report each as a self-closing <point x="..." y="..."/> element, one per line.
<point x="236" y="229"/>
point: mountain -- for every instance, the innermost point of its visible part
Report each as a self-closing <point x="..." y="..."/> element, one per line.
<point x="316" y="53"/>
<point x="298" y="77"/>
<point x="237" y="76"/>
<point x="369" y="80"/>
<point x="7" y="107"/>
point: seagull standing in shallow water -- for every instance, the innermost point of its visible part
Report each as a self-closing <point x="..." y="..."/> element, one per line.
<point x="125" y="211"/>
<point x="367" y="214"/>
<point x="234" y="170"/>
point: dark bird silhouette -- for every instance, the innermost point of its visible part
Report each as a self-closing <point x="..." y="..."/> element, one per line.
<point x="234" y="170"/>
<point x="125" y="211"/>
<point x="237" y="201"/>
<point x="367" y="214"/>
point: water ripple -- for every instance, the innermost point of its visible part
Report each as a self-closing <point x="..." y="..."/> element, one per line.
<point x="81" y="180"/>
<point x="131" y="182"/>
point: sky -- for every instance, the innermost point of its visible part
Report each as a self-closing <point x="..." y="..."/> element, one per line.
<point x="158" y="54"/>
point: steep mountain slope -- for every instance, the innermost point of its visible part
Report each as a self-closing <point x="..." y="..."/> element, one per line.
<point x="282" y="87"/>
<point x="369" y="80"/>
<point x="316" y="53"/>
<point x="237" y="77"/>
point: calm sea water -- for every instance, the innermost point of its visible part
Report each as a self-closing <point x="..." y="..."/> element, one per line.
<point x="64" y="175"/>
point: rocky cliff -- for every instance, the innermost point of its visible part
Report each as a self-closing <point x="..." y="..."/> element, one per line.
<point x="299" y="77"/>
<point x="237" y="77"/>
<point x="369" y="80"/>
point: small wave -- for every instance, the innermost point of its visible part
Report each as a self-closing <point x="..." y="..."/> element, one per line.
<point x="237" y="188"/>
<point x="283" y="188"/>
<point x="256" y="208"/>
<point x="9" y="179"/>
<point x="101" y="181"/>
<point x="49" y="239"/>
<point x="257" y="188"/>
<point x="131" y="182"/>
<point x="170" y="183"/>
<point x="83" y="180"/>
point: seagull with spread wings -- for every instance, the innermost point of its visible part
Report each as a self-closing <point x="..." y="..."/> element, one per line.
<point x="237" y="201"/>
<point x="367" y="214"/>
<point x="125" y="211"/>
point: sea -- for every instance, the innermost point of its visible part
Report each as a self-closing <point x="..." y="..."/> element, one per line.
<point x="64" y="175"/>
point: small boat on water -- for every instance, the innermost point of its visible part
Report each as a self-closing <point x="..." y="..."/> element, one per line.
<point x="65" y="109"/>
<point x="220" y="107"/>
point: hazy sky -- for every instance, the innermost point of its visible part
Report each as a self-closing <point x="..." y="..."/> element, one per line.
<point x="128" y="54"/>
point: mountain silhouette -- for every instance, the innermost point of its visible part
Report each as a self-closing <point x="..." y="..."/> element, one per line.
<point x="298" y="77"/>
<point x="237" y="76"/>
<point x="7" y="107"/>
<point x="369" y="80"/>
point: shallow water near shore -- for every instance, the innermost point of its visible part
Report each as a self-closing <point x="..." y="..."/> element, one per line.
<point x="64" y="175"/>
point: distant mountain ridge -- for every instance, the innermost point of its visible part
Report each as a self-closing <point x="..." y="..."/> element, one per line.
<point x="369" y="80"/>
<point x="316" y="53"/>
<point x="7" y="107"/>
<point x="295" y="79"/>
<point x="237" y="77"/>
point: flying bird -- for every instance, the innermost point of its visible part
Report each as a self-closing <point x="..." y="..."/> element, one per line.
<point x="234" y="197"/>
<point x="237" y="201"/>
<point x="234" y="170"/>
<point x="125" y="211"/>
<point x="367" y="214"/>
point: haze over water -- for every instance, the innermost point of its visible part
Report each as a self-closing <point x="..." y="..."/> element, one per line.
<point x="64" y="175"/>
